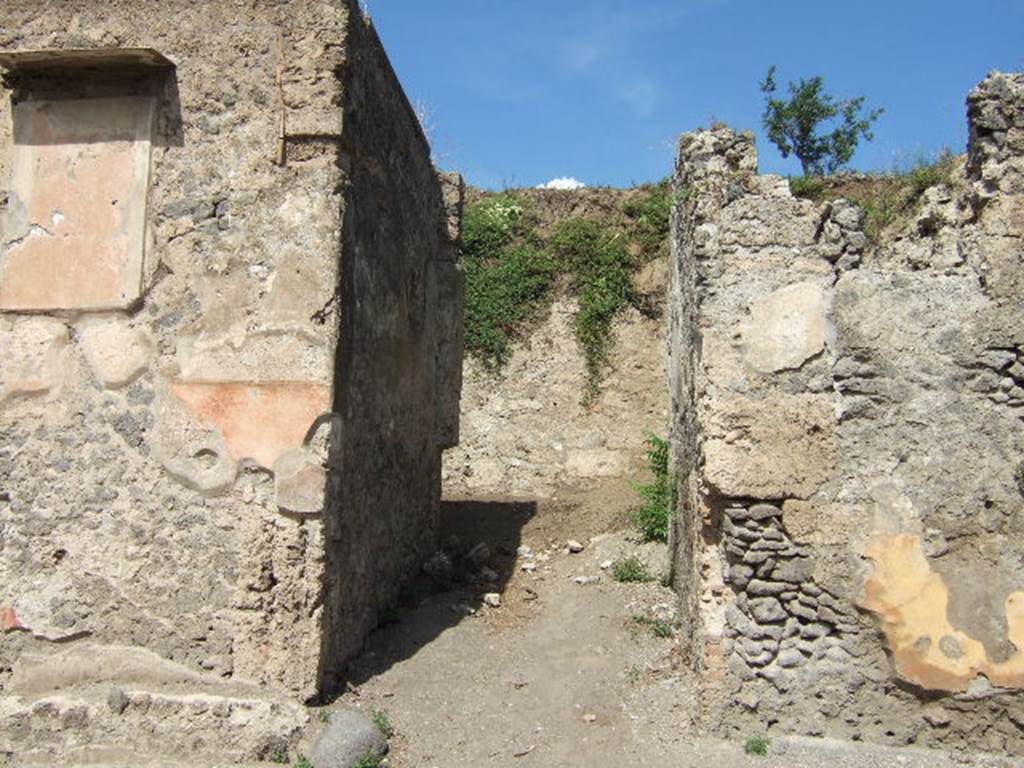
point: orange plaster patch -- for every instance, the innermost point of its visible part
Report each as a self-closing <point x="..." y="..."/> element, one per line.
<point x="9" y="619"/>
<point x="912" y="603"/>
<point x="259" y="420"/>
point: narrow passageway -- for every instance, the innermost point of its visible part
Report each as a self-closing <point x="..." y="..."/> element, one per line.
<point x="572" y="667"/>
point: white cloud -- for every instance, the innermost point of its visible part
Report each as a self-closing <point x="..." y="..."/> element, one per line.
<point x="563" y="182"/>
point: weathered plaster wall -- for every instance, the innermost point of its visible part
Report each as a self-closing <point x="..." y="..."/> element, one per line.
<point x="525" y="432"/>
<point x="848" y="430"/>
<point x="163" y="470"/>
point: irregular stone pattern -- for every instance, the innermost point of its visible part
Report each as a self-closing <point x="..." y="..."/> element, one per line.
<point x="847" y="430"/>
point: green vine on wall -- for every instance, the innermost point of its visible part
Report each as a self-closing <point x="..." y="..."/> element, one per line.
<point x="511" y="272"/>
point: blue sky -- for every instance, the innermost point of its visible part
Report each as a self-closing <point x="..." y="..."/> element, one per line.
<point x="517" y="92"/>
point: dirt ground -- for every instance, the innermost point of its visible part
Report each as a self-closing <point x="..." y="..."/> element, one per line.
<point x="562" y="673"/>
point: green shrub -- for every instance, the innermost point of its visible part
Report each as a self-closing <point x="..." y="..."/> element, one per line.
<point x="510" y="272"/>
<point x="652" y="517"/>
<point x="808" y="187"/>
<point x="601" y="271"/>
<point x="301" y="761"/>
<point x="502" y="293"/>
<point x="757" y="745"/>
<point x="631" y="570"/>
<point x="649" y="216"/>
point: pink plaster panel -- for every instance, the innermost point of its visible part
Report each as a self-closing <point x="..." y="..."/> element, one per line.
<point x="75" y="230"/>
<point x="259" y="420"/>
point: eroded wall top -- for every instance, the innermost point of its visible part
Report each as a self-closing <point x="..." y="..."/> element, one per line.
<point x="848" y="424"/>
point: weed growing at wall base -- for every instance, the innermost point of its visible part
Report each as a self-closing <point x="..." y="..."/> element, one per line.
<point x="630" y="570"/>
<point x="659" y="497"/>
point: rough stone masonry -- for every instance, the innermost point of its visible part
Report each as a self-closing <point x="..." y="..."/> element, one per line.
<point x="230" y="345"/>
<point x="851" y="454"/>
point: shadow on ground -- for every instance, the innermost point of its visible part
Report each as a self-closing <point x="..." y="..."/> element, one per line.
<point x="477" y="556"/>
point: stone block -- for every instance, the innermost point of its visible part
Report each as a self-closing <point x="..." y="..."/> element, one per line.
<point x="31" y="356"/>
<point x="300" y="482"/>
<point x="116" y="351"/>
<point x="786" y="328"/>
<point x="788" y="449"/>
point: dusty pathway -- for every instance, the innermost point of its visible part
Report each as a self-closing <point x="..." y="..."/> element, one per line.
<point x="561" y="673"/>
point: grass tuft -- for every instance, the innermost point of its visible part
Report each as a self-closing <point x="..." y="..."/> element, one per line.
<point x="887" y="198"/>
<point x="383" y="723"/>
<point x="631" y="570"/>
<point x="658" y="627"/>
<point x="369" y="760"/>
<point x="757" y="745"/>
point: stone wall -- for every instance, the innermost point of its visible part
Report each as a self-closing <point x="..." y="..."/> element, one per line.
<point x="228" y="348"/>
<point x="847" y="425"/>
<point x="526" y="433"/>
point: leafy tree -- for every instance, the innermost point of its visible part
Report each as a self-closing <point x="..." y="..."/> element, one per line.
<point x="793" y="125"/>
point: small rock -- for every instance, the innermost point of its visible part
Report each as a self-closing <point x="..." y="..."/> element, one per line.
<point x="574" y="547"/>
<point x="767" y="610"/>
<point x="585" y="580"/>
<point x="438" y="566"/>
<point x="117" y="701"/>
<point x="479" y="554"/>
<point x="791" y="658"/>
<point x="606" y="564"/>
<point x="493" y="599"/>
<point x="589" y="718"/>
<point x="349" y="738"/>
<point x="524" y="551"/>
<point x="529" y="567"/>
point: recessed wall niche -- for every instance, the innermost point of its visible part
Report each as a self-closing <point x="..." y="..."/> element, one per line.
<point x="74" y="231"/>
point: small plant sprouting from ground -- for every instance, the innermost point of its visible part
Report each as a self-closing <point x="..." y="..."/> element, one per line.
<point x="653" y="516"/>
<point x="658" y="627"/>
<point x="369" y="760"/>
<point x="757" y="745"/>
<point x="301" y="761"/>
<point x="279" y="755"/>
<point x="631" y="570"/>
<point x="325" y="715"/>
<point x="383" y="723"/>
